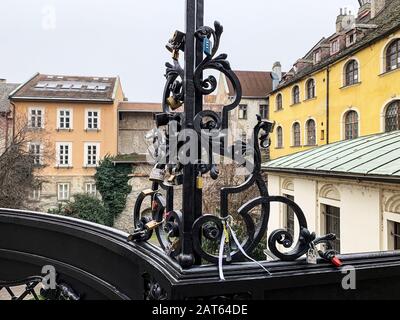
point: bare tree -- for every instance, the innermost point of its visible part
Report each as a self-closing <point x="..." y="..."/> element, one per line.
<point x="17" y="169"/>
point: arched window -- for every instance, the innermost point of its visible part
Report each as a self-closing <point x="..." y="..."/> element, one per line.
<point x="279" y="103"/>
<point x="296" y="94"/>
<point x="351" y="73"/>
<point x="279" y="137"/>
<point x="393" y="56"/>
<point x="351" y="125"/>
<point x="296" y="135"/>
<point x="310" y="89"/>
<point x="392" y="116"/>
<point x="311" y="133"/>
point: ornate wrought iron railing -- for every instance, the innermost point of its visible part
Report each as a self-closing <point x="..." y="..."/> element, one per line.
<point x="180" y="231"/>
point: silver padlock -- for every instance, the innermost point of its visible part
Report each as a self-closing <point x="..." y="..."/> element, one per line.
<point x="157" y="174"/>
<point x="312" y="255"/>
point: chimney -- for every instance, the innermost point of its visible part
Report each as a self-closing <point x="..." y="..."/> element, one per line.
<point x="365" y="6"/>
<point x="276" y="74"/>
<point x="344" y="21"/>
<point x="376" y="7"/>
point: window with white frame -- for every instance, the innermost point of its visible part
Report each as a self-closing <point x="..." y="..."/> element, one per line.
<point x="35" y="151"/>
<point x="334" y="46"/>
<point x="64" y="154"/>
<point x="63" y="191"/>
<point x="331" y="224"/>
<point x="90" y="189"/>
<point x="92" y="119"/>
<point x="34" y="194"/>
<point x="36" y="116"/>
<point x="92" y="154"/>
<point x="289" y="216"/>
<point x="317" y="56"/>
<point x="64" y="119"/>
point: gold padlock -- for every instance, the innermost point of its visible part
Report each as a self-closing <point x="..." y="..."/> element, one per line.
<point x="175" y="55"/>
<point x="199" y="182"/>
<point x="153" y="225"/>
<point x="173" y="103"/>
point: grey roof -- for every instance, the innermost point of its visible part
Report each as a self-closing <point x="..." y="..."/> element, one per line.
<point x="375" y="157"/>
<point x="44" y="87"/>
<point x="5" y="90"/>
<point x="387" y="21"/>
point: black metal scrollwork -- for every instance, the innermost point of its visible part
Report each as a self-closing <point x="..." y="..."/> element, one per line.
<point x="210" y="127"/>
<point x="30" y="289"/>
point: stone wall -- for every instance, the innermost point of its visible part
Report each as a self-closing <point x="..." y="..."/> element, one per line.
<point x="133" y="126"/>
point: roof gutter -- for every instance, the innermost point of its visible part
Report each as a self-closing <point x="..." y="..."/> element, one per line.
<point x="106" y="101"/>
<point x="337" y="175"/>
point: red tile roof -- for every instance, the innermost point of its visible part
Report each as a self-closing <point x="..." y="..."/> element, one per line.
<point x="150" y="107"/>
<point x="255" y="84"/>
<point x="140" y="107"/>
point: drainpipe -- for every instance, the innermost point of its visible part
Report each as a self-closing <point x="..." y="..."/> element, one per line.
<point x="327" y="103"/>
<point x="13" y="120"/>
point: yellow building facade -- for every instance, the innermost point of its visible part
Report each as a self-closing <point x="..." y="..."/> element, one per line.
<point x="356" y="89"/>
<point x="72" y="124"/>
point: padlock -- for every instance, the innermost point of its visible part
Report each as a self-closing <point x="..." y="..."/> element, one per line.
<point x="175" y="55"/>
<point x="157" y="174"/>
<point x="199" y="182"/>
<point x="312" y="255"/>
<point x="153" y="225"/>
<point x="207" y="44"/>
<point x="330" y="256"/>
<point x="173" y="103"/>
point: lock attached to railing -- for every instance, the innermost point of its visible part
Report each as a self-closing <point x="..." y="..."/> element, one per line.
<point x="173" y="103"/>
<point x="157" y="174"/>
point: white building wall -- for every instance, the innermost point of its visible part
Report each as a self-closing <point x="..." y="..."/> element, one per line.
<point x="359" y="218"/>
<point x="363" y="215"/>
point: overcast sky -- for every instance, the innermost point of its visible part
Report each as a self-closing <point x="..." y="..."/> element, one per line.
<point x="127" y="37"/>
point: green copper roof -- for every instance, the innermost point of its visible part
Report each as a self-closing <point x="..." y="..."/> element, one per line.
<point x="369" y="157"/>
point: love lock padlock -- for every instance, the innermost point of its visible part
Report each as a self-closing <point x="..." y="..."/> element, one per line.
<point x="173" y="103"/>
<point x="312" y="254"/>
<point x="157" y="174"/>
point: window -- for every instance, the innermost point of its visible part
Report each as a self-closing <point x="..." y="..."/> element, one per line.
<point x="317" y="56"/>
<point x="296" y="94"/>
<point x="279" y="102"/>
<point x="36" y="118"/>
<point x="64" y="119"/>
<point x="34" y="194"/>
<point x="351" y="125"/>
<point x="296" y="135"/>
<point x="35" y="151"/>
<point x="350" y="39"/>
<point x="63" y="191"/>
<point x="311" y="133"/>
<point x="92" y="152"/>
<point x="392" y="116"/>
<point x="394" y="228"/>
<point x="64" y="154"/>
<point x="279" y="137"/>
<point x="243" y="112"/>
<point x="264" y="111"/>
<point x="334" y="46"/>
<point x="351" y="73"/>
<point x="289" y="217"/>
<point x="332" y="224"/>
<point x="92" y="120"/>
<point x="310" y="89"/>
<point x="393" y="56"/>
<point x="90" y="189"/>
